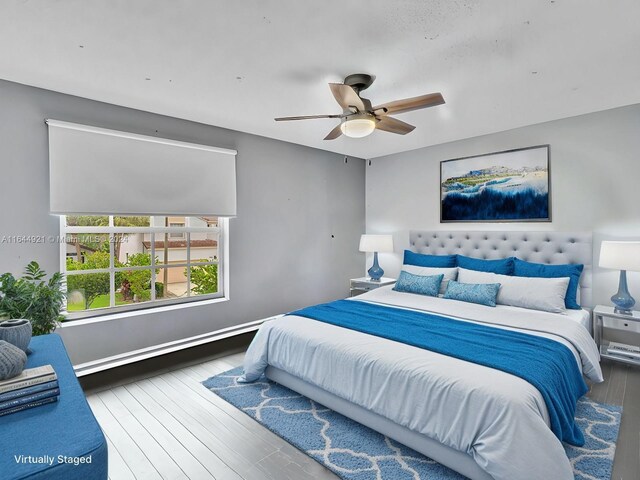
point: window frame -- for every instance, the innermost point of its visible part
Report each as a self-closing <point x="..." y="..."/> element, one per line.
<point x="222" y="258"/>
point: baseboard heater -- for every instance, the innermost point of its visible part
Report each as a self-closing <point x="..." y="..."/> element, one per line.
<point x="164" y="348"/>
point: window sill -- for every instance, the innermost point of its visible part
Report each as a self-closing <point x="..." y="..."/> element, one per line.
<point x="138" y="313"/>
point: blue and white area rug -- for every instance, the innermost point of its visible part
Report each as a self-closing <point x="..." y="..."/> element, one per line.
<point x="355" y="452"/>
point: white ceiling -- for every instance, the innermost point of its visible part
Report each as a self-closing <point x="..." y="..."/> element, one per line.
<point x="238" y="64"/>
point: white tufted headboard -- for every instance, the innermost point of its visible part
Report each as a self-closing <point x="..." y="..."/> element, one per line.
<point x="539" y="247"/>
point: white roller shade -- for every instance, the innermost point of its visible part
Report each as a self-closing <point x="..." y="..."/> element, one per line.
<point x="94" y="171"/>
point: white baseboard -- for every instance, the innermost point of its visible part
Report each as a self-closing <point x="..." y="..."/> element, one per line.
<point x="162" y="349"/>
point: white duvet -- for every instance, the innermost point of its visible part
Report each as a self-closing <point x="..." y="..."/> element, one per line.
<point x="499" y="419"/>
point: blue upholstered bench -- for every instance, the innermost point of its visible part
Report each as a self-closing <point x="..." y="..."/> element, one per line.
<point x="60" y="432"/>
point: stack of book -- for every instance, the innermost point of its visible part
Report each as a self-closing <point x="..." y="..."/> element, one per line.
<point x="628" y="351"/>
<point x="32" y="388"/>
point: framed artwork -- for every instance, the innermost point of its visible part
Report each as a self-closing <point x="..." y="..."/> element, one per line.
<point x="509" y="186"/>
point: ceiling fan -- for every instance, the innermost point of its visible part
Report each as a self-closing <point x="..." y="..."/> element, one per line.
<point x="359" y="119"/>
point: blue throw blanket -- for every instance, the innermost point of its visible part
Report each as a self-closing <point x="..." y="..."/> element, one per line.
<point x="544" y="363"/>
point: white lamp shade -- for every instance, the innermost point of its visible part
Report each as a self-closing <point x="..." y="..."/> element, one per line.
<point x="376" y="243"/>
<point x="620" y="255"/>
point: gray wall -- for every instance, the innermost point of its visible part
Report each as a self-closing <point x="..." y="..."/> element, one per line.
<point x="595" y="174"/>
<point x="294" y="242"/>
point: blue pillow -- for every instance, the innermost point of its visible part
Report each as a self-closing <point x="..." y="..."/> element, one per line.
<point x="420" y="284"/>
<point x="422" y="260"/>
<point x="482" y="293"/>
<point x="573" y="271"/>
<point x="503" y="266"/>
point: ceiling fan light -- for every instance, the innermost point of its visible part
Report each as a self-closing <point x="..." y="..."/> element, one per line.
<point x="358" y="127"/>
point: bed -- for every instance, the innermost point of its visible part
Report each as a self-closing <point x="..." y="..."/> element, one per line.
<point x="479" y="421"/>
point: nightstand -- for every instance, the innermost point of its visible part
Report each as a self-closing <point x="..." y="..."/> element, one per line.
<point x="365" y="284"/>
<point x="623" y="327"/>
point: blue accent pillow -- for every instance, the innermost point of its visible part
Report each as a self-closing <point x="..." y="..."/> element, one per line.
<point x="422" y="260"/>
<point x="481" y="293"/>
<point x="573" y="271"/>
<point x="422" y="285"/>
<point x="503" y="266"/>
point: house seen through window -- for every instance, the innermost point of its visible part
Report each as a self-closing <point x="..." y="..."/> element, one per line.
<point x="115" y="263"/>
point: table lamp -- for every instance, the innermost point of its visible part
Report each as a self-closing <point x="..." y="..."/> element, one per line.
<point x="375" y="244"/>
<point x="621" y="256"/>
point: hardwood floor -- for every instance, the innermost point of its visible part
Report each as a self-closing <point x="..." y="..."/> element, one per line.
<point x="169" y="426"/>
<point x="622" y="387"/>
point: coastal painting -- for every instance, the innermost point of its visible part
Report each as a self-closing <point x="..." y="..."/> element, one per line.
<point x="510" y="186"/>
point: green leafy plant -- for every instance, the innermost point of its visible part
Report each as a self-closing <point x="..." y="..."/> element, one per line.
<point x="159" y="290"/>
<point x="204" y="279"/>
<point x="138" y="282"/>
<point x="91" y="285"/>
<point x="33" y="297"/>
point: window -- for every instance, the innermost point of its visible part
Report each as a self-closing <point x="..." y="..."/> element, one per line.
<point x="177" y="234"/>
<point x="118" y="263"/>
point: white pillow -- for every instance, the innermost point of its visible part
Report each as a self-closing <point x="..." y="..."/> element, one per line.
<point x="449" y="274"/>
<point x="546" y="294"/>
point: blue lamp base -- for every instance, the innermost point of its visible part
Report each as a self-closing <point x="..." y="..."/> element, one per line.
<point x="375" y="272"/>
<point x="623" y="300"/>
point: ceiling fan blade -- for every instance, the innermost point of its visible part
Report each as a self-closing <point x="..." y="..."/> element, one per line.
<point x="307" y="117"/>
<point x="409" y="104"/>
<point x="333" y="134"/>
<point x="347" y="96"/>
<point x="393" y="125"/>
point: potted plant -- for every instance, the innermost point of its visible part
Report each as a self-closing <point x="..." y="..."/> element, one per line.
<point x="33" y="297"/>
